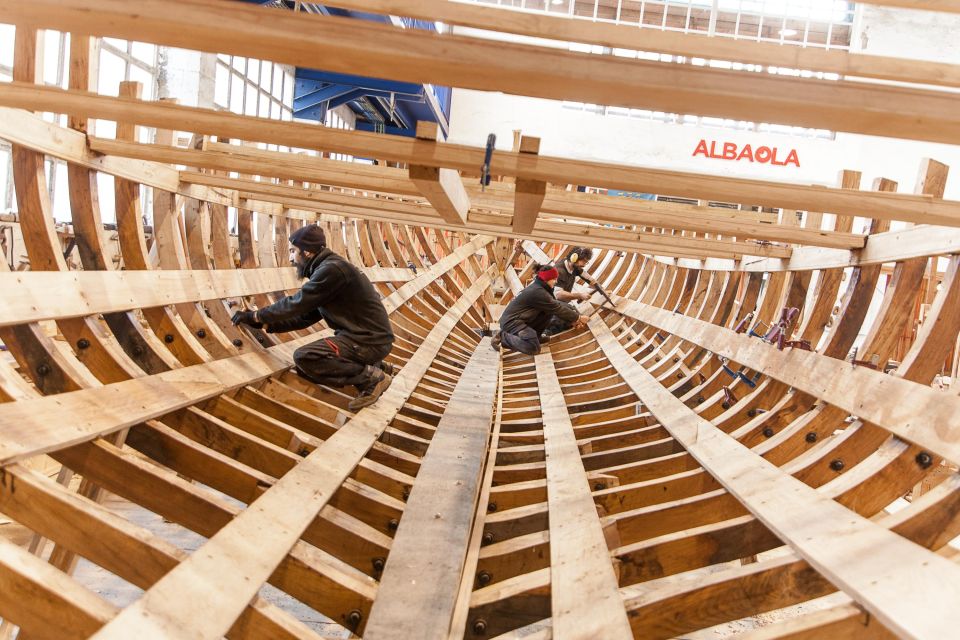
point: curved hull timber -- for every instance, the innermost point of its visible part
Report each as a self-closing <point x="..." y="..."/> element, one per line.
<point x="697" y="455"/>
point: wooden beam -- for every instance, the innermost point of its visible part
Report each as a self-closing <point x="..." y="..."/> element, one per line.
<point x="419" y="587"/>
<point x="585" y="601"/>
<point x="887" y="206"/>
<point x="411" y="55"/>
<point x="528" y="194"/>
<point x="914" y="595"/>
<point x="442" y="188"/>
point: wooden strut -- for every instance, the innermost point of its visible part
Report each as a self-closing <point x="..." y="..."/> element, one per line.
<point x="619" y="483"/>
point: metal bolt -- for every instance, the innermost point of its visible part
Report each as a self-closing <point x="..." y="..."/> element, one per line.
<point x="812" y="437"/>
<point x="676" y="359"/>
<point x="700" y="399"/>
<point x="406" y="494"/>
<point x="483" y="578"/>
<point x="43" y="369"/>
<point x="393" y="524"/>
<point x="378" y="564"/>
<point x="201" y="333"/>
<point x="725" y="405"/>
<point x="260" y="339"/>
<point x="354" y="617"/>
<point x="237" y="342"/>
<point x="83" y="343"/>
<point x="837" y="465"/>
<point x="491" y="506"/>
<point x="168" y="338"/>
<point x="488" y="538"/>
<point x="679" y="375"/>
<point x="657" y="359"/>
<point x="768" y="432"/>
<point x="751" y="413"/>
<point x="137" y="350"/>
<point x="479" y="627"/>
<point x="924" y="459"/>
<point x="598" y="486"/>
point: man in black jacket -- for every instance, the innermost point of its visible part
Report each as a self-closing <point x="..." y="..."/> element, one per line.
<point x="569" y="269"/>
<point x="529" y="313"/>
<point x="341" y="294"/>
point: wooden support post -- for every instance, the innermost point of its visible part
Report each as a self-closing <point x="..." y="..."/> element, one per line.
<point x="441" y="187"/>
<point x="529" y="194"/>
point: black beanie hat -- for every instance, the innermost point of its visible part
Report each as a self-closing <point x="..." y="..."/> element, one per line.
<point x="309" y="238"/>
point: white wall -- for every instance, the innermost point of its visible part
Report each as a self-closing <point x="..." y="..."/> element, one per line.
<point x="632" y="141"/>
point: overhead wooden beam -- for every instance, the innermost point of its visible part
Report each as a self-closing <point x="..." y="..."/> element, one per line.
<point x="442" y="188"/>
<point x="560" y="26"/>
<point x="889" y="206"/>
<point x="412" y="55"/>
<point x="528" y="195"/>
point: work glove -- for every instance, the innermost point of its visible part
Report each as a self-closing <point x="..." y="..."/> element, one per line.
<point x="247" y="318"/>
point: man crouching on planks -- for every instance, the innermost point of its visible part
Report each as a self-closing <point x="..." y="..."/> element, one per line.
<point x="528" y="315"/>
<point x="338" y="292"/>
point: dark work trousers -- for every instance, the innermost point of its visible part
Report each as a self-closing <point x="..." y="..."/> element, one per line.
<point x="339" y="361"/>
<point x="523" y="337"/>
<point x="557" y="325"/>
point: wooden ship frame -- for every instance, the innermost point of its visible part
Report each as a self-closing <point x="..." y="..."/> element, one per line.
<point x="699" y="454"/>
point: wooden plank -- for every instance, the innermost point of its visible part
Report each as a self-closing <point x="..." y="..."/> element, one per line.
<point x="889" y="206"/>
<point x="585" y="602"/>
<point x="442" y="188"/>
<point x="411" y="55"/>
<point x="67" y="294"/>
<point x="419" y="588"/>
<point x="914" y="594"/>
<point x="528" y="194"/>
<point x="203" y="596"/>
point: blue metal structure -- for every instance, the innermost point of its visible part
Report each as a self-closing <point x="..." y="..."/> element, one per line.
<point x="380" y="105"/>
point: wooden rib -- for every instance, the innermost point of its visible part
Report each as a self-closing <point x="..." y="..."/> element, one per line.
<point x="829" y="536"/>
<point x="442" y="188"/>
<point x="411" y="56"/>
<point x="419" y="587"/>
<point x="185" y="602"/>
<point x="584" y="598"/>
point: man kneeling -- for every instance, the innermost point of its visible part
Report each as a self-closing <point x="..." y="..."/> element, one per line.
<point x="528" y="314"/>
<point x="341" y="294"/>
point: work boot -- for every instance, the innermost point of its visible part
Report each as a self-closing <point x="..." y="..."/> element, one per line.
<point x="495" y="342"/>
<point x="387" y="368"/>
<point x="544" y="339"/>
<point x="372" y="391"/>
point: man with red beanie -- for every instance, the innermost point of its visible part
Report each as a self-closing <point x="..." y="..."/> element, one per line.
<point x="338" y="292"/>
<point x="529" y="313"/>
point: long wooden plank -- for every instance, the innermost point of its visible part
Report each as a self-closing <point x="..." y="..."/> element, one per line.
<point x="585" y="602"/>
<point x="419" y="588"/>
<point x="915" y="412"/>
<point x="203" y="596"/>
<point x="411" y="55"/>
<point x="914" y="593"/>
<point x="890" y="206"/>
<point x="45" y="424"/>
<point x="45" y="295"/>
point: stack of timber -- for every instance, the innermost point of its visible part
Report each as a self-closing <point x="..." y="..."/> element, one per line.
<point x="671" y="467"/>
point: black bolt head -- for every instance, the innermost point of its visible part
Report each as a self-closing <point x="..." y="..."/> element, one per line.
<point x="168" y="338"/>
<point x="924" y="459"/>
<point x="598" y="486"/>
<point x="479" y="627"/>
<point x="43" y="369"/>
<point x="483" y="578"/>
<point x="768" y="432"/>
<point x="725" y="405"/>
<point x="488" y="538"/>
<point x="700" y="399"/>
<point x="751" y="413"/>
<point x="837" y="465"/>
<point x="201" y="333"/>
<point x="811" y="437"/>
<point x="491" y="506"/>
<point x="378" y="564"/>
<point x="83" y="343"/>
<point x="260" y="339"/>
<point x="137" y="350"/>
<point x="393" y="524"/>
<point x="354" y="617"/>
<point x="237" y="342"/>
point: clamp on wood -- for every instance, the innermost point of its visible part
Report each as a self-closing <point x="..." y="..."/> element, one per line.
<point x="487" y="157"/>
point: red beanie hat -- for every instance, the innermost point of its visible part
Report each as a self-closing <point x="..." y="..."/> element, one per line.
<point x="548" y="274"/>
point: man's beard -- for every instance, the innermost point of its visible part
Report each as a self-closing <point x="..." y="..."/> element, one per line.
<point x="301" y="262"/>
